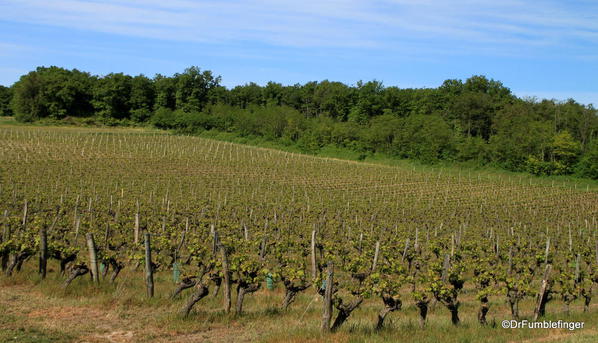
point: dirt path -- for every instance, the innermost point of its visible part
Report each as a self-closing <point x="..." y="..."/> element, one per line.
<point x="86" y="323"/>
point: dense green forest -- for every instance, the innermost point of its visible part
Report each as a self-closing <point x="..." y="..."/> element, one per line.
<point x="477" y="120"/>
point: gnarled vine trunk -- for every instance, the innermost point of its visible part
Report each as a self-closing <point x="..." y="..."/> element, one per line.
<point x="291" y="292"/>
<point x="587" y="298"/>
<point x="483" y="311"/>
<point x="200" y="292"/>
<point x="344" y="311"/>
<point x="391" y="304"/>
<point x="116" y="268"/>
<point x="185" y="283"/>
<point x="4" y="261"/>
<point x="422" y="307"/>
<point x="453" y="307"/>
<point x="17" y="261"/>
<point x="513" y="300"/>
<point x="76" y="271"/>
<point x="242" y="289"/>
<point x="217" y="280"/>
<point x="65" y="261"/>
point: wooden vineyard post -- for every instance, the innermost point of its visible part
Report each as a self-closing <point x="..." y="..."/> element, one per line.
<point x="43" y="252"/>
<point x="5" y="227"/>
<point x="570" y="241"/>
<point x="25" y="213"/>
<point x="263" y="246"/>
<point x="452" y="244"/>
<point x="75" y="212"/>
<point x="446" y="265"/>
<point x="149" y="272"/>
<point x="405" y="250"/>
<point x="314" y="270"/>
<point x="510" y="266"/>
<point x="327" y="304"/>
<point x="5" y="237"/>
<point x="182" y="241"/>
<point x="77" y="226"/>
<point x="497" y="246"/>
<point x="136" y="239"/>
<point x="577" y="271"/>
<point x="376" y="253"/>
<point x="547" y="250"/>
<point x="245" y="232"/>
<point x="175" y="265"/>
<point x="541" y="300"/>
<point x="215" y="240"/>
<point x="106" y="235"/>
<point x="227" y="280"/>
<point x="93" y="261"/>
<point x="360" y="241"/>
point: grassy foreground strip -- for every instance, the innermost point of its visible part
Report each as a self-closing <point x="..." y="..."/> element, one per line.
<point x="44" y="312"/>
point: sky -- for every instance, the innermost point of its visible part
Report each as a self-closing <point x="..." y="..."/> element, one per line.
<point x="541" y="48"/>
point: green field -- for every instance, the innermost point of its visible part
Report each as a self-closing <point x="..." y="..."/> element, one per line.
<point x="434" y="237"/>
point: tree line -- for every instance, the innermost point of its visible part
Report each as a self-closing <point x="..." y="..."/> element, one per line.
<point x="478" y="121"/>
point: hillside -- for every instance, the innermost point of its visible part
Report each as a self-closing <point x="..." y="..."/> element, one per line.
<point x="275" y="221"/>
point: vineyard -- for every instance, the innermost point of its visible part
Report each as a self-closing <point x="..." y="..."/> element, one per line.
<point x="202" y="240"/>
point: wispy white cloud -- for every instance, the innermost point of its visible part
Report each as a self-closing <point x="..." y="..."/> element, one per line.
<point x="468" y="25"/>
<point x="13" y="49"/>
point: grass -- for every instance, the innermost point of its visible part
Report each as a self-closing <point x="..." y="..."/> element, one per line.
<point x="15" y="328"/>
<point x="41" y="311"/>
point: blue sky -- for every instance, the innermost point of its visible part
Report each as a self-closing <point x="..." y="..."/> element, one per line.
<point x="542" y="48"/>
